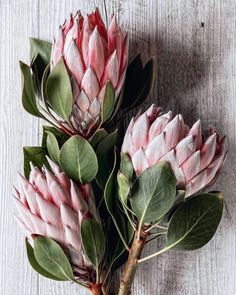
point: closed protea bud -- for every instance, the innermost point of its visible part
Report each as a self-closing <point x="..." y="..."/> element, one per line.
<point x="51" y="205"/>
<point x="93" y="56"/>
<point x="196" y="160"/>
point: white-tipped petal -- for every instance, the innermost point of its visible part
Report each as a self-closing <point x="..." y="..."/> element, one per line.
<point x="140" y="132"/>
<point x="156" y="149"/>
<point x="185" y="148"/>
<point x="74" y="62"/>
<point x="96" y="58"/>
<point x="139" y="161"/>
<point x="68" y="217"/>
<point x="90" y="84"/>
<point x="77" y="200"/>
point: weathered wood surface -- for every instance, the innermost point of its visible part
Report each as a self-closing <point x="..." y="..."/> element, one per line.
<point x="194" y="42"/>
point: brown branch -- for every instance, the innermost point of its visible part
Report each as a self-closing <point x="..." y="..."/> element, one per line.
<point x="96" y="289"/>
<point x="132" y="263"/>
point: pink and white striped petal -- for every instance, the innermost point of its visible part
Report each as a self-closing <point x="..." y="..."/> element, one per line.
<point x="156" y="149"/>
<point x="196" y="131"/>
<point x="74" y="61"/>
<point x="48" y="211"/>
<point x="185" y="148"/>
<point x="192" y="166"/>
<point x="140" y="132"/>
<point x="208" y="151"/>
<point x="68" y="217"/>
<point x="58" y="194"/>
<point x="159" y="125"/>
<point x="111" y="70"/>
<point x="90" y="84"/>
<point x="77" y="200"/>
<point x="96" y="58"/>
<point x="140" y="162"/>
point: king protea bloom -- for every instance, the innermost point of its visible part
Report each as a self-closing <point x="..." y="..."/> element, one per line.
<point x="93" y="55"/>
<point x="51" y="205"/>
<point x="196" y="160"/>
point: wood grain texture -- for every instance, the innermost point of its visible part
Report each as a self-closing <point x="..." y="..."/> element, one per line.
<point x="194" y="42"/>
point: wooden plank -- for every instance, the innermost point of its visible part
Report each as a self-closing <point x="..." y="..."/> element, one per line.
<point x="195" y="47"/>
<point x="17" y="129"/>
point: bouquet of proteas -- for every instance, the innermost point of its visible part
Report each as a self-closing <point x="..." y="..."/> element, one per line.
<point x="93" y="194"/>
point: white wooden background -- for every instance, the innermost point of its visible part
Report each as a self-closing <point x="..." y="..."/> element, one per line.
<point x="194" y="42"/>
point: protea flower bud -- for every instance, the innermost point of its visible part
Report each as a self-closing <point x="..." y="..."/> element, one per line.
<point x="196" y="160"/>
<point x="51" y="205"/>
<point x="93" y="55"/>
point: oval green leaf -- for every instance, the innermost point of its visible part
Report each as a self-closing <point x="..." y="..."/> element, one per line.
<point x="28" y="93"/>
<point x="120" y="221"/>
<point x="108" y="102"/>
<point x="53" y="147"/>
<point x="37" y="156"/>
<point x="42" y="48"/>
<point x="195" y="222"/>
<point x="148" y="77"/>
<point x="93" y="239"/>
<point x="33" y="262"/>
<point x="126" y="166"/>
<point x="78" y="159"/>
<point x="153" y="193"/>
<point x="59" y="92"/>
<point x="61" y="137"/>
<point x="97" y="137"/>
<point x="123" y="187"/>
<point x="105" y="155"/>
<point x="52" y="258"/>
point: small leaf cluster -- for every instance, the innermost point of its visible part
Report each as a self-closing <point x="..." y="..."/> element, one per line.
<point x="153" y="205"/>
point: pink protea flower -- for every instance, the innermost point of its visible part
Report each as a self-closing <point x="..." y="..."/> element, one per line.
<point x="93" y="55"/>
<point x="196" y="160"/>
<point x="51" y="205"/>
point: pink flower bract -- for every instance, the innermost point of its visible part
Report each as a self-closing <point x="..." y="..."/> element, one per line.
<point x="51" y="205"/>
<point x="196" y="160"/>
<point x="93" y="55"/>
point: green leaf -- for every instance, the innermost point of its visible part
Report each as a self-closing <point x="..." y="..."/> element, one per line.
<point x="126" y="166"/>
<point x="120" y="221"/>
<point x="105" y="155"/>
<point x="97" y="137"/>
<point x="195" y="222"/>
<point x="179" y="199"/>
<point x="61" y="137"/>
<point x="123" y="187"/>
<point x="153" y="193"/>
<point x="59" y="92"/>
<point x="42" y="48"/>
<point x="148" y="81"/>
<point x="53" y="147"/>
<point x="93" y="239"/>
<point x="38" y="67"/>
<point x="28" y="93"/>
<point x="139" y="83"/>
<point x="78" y="159"/>
<point x="133" y="81"/>
<point x="108" y="102"/>
<point x="44" y="83"/>
<point x="114" y="244"/>
<point x="52" y="258"/>
<point x="33" y="262"/>
<point x="36" y="155"/>
<point x="118" y="103"/>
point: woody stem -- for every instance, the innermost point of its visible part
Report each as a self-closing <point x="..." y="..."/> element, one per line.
<point x="96" y="289"/>
<point x="132" y="263"/>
